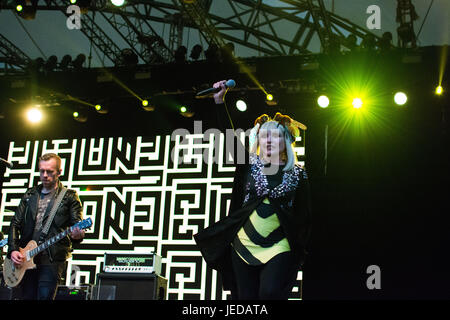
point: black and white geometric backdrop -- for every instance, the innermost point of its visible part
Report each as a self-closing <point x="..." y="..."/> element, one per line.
<point x="143" y="194"/>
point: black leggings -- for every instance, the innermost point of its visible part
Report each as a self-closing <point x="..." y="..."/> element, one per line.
<point x="271" y="281"/>
<point x="41" y="283"/>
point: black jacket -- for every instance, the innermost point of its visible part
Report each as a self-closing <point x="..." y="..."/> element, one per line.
<point x="22" y="224"/>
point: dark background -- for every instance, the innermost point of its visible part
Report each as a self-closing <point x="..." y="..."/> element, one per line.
<point x="384" y="198"/>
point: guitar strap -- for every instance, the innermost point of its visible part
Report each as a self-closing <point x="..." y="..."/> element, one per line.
<point x="52" y="213"/>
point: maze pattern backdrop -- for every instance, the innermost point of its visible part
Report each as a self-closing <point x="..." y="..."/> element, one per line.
<point x="143" y="194"/>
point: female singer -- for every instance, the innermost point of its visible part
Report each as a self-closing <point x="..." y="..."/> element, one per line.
<point x="260" y="246"/>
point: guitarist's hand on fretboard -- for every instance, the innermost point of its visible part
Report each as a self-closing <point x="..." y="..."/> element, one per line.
<point x="17" y="258"/>
<point x="77" y="234"/>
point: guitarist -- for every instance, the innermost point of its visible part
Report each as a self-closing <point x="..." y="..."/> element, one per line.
<point x="29" y="220"/>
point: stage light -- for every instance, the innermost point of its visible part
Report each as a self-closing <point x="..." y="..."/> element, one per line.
<point x="51" y="63"/>
<point x="118" y="3"/>
<point x="34" y="115"/>
<point x="128" y="58"/>
<point x="357" y="103"/>
<point x="73" y="1"/>
<point x="400" y="98"/>
<point x="147" y="106"/>
<point x="227" y="53"/>
<point x="270" y="100"/>
<point x="26" y="9"/>
<point x="79" y="61"/>
<point x="196" y="51"/>
<point x="36" y="65"/>
<point x="212" y="53"/>
<point x="323" y="101"/>
<point x="241" y="105"/>
<point x="185" y="112"/>
<point x="65" y="62"/>
<point x="439" y="90"/>
<point x="180" y="55"/>
<point x="101" y="109"/>
<point x="79" y="116"/>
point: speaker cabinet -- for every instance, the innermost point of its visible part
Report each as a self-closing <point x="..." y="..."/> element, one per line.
<point x="131" y="286"/>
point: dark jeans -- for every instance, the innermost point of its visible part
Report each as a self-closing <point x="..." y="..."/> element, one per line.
<point x="41" y="283"/>
<point x="271" y="281"/>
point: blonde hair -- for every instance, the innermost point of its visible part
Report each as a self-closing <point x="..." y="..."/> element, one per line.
<point x="291" y="158"/>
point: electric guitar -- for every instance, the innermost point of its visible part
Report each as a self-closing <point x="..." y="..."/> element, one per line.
<point x="13" y="274"/>
<point x="4" y="242"/>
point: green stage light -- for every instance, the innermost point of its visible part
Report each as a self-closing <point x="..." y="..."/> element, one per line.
<point x="19" y="8"/>
<point x="186" y="112"/>
<point x="400" y="98"/>
<point x="439" y="90"/>
<point x="79" y="116"/>
<point x="323" y="101"/>
<point x="269" y="97"/>
<point x="145" y="103"/>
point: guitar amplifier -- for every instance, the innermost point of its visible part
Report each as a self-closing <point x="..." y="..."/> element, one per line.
<point x="132" y="263"/>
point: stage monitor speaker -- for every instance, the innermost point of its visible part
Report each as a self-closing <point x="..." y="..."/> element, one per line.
<point x="130" y="286"/>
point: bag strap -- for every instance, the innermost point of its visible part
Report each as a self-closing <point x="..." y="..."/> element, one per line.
<point x="53" y="212"/>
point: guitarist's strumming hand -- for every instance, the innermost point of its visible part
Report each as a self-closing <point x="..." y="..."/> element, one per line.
<point x="17" y="258"/>
<point x="77" y="234"/>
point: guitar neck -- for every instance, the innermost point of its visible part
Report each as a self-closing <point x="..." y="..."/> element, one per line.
<point x="50" y="242"/>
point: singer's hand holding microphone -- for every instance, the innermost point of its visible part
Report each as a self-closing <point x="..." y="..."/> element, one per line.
<point x="218" y="90"/>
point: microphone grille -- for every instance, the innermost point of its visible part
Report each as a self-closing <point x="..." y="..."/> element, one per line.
<point x="230" y="83"/>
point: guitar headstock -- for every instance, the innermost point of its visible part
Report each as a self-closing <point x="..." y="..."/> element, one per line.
<point x="86" y="223"/>
<point x="3" y="242"/>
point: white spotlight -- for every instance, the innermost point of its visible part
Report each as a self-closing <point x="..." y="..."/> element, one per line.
<point x="400" y="98"/>
<point x="118" y="3"/>
<point x="241" y="105"/>
<point x="323" y="101"/>
<point x="34" y="115"/>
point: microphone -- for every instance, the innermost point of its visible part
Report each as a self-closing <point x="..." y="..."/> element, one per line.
<point x="7" y="163"/>
<point x="229" y="84"/>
